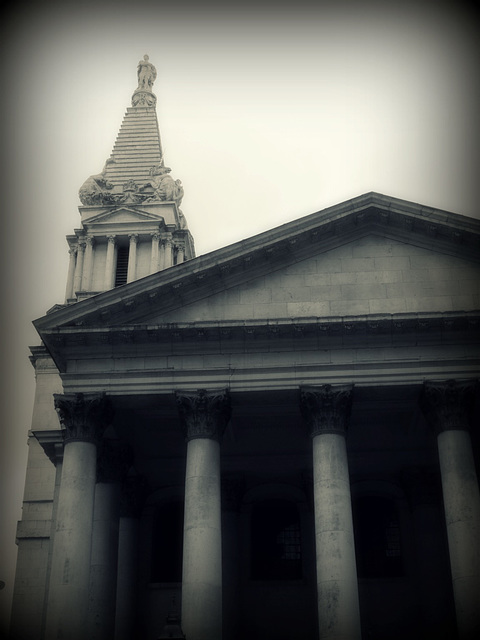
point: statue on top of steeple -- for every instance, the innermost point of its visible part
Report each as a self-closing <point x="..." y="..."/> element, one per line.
<point x="143" y="95"/>
<point x="146" y="74"/>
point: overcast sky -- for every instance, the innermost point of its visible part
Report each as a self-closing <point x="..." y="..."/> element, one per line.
<point x="265" y="115"/>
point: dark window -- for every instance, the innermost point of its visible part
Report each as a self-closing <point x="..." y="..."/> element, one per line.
<point x="377" y="538"/>
<point x="122" y="266"/>
<point x="167" y="543"/>
<point x="276" y="541"/>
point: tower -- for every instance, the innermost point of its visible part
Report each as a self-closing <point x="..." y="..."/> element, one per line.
<point x="131" y="221"/>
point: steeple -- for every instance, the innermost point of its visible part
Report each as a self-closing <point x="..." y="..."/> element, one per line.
<point x="132" y="224"/>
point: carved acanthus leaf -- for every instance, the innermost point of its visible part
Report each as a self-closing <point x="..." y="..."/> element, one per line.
<point x="204" y="414"/>
<point x="326" y="408"/>
<point x="84" y="417"/>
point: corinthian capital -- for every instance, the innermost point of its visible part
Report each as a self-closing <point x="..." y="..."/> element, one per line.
<point x="84" y="417"/>
<point x="448" y="405"/>
<point x="204" y="414"/>
<point x="326" y="408"/>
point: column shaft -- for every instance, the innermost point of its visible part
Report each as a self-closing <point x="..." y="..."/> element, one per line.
<point x="168" y="253"/>
<point x="71" y="274"/>
<point x="69" y="578"/>
<point x="132" y="257"/>
<point x="154" y="257"/>
<point x="103" y="566"/>
<point x="448" y="407"/>
<point x="126" y="578"/>
<point x="204" y="416"/>
<point x="202" y="547"/>
<point x="161" y="255"/>
<point x="77" y="282"/>
<point x="462" y="513"/>
<point x="180" y="252"/>
<point x="338" y="607"/>
<point x="88" y="264"/>
<point x="326" y="411"/>
<point x="83" y="419"/>
<point x="109" y="264"/>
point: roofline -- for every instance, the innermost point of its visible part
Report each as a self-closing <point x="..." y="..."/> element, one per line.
<point x="455" y="229"/>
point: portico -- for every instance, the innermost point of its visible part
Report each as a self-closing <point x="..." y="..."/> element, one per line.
<point x="264" y="446"/>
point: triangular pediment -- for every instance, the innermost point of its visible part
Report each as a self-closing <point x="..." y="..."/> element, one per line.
<point x="371" y="256"/>
<point x="371" y="275"/>
<point x="121" y="215"/>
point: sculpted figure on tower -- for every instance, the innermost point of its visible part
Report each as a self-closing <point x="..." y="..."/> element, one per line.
<point x="146" y="74"/>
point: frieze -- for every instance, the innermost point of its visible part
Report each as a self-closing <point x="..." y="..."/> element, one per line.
<point x="83" y="416"/>
<point x="326" y="408"/>
<point x="386" y="329"/>
<point x="204" y="414"/>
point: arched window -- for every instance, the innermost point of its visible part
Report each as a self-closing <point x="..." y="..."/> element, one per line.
<point x="276" y="541"/>
<point x="377" y="537"/>
<point x="167" y="543"/>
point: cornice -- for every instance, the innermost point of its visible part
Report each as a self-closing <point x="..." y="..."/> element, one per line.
<point x="328" y="327"/>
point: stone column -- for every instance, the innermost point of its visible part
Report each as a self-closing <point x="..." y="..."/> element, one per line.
<point x="77" y="281"/>
<point x="113" y="462"/>
<point x="127" y="569"/>
<point x="204" y="416"/>
<point x="168" y="260"/>
<point x="132" y="257"/>
<point x="84" y="418"/>
<point x="180" y="252"/>
<point x="326" y="411"/>
<point x="109" y="282"/>
<point x="154" y="258"/>
<point x="161" y="255"/>
<point x="88" y="264"/>
<point x="71" y="273"/>
<point x="448" y="407"/>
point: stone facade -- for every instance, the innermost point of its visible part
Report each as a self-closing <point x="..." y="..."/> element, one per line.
<point x="270" y="441"/>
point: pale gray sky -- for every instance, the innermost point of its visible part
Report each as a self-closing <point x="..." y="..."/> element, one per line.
<point x="266" y="115"/>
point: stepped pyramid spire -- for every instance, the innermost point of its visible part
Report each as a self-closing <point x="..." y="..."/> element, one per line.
<point x="132" y="225"/>
<point x="135" y="171"/>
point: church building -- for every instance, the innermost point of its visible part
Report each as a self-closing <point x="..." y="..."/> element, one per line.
<point x="275" y="440"/>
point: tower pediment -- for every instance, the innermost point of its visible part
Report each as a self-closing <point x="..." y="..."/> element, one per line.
<point x="156" y="212"/>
